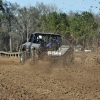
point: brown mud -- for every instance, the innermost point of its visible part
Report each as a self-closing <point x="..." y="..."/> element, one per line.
<point x="79" y="80"/>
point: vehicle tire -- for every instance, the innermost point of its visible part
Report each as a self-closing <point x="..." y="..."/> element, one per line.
<point x="33" y="57"/>
<point x="22" y="57"/>
<point x="69" y="57"/>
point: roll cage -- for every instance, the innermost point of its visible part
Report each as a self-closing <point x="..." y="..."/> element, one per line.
<point x="46" y="37"/>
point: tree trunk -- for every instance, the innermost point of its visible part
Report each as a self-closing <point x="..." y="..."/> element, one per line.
<point x="27" y="33"/>
<point x="10" y="44"/>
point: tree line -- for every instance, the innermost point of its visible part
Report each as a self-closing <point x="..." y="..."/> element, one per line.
<point x="18" y="23"/>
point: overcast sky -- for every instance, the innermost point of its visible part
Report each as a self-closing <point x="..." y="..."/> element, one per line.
<point x="66" y="5"/>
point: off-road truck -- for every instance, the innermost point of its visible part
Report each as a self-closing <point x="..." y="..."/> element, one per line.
<point x="42" y="45"/>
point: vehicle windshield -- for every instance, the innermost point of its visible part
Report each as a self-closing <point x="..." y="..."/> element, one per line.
<point x="45" y="37"/>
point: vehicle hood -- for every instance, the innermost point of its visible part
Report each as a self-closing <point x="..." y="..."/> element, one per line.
<point x="27" y="44"/>
<point x="34" y="45"/>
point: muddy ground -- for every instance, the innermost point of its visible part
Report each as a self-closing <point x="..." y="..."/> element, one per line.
<point x="79" y="80"/>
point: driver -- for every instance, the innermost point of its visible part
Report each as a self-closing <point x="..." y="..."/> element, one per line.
<point x="40" y="39"/>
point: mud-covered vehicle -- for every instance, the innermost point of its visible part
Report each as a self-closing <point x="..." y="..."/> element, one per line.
<point x="42" y="45"/>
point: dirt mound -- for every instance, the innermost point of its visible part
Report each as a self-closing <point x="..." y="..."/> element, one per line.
<point x="79" y="80"/>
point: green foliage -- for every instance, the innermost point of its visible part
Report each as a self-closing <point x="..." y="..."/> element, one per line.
<point x="83" y="25"/>
<point x="54" y="22"/>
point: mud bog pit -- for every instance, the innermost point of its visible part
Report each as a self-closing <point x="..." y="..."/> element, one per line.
<point x="79" y="80"/>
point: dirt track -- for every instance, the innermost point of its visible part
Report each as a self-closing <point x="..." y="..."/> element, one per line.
<point x="77" y="81"/>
